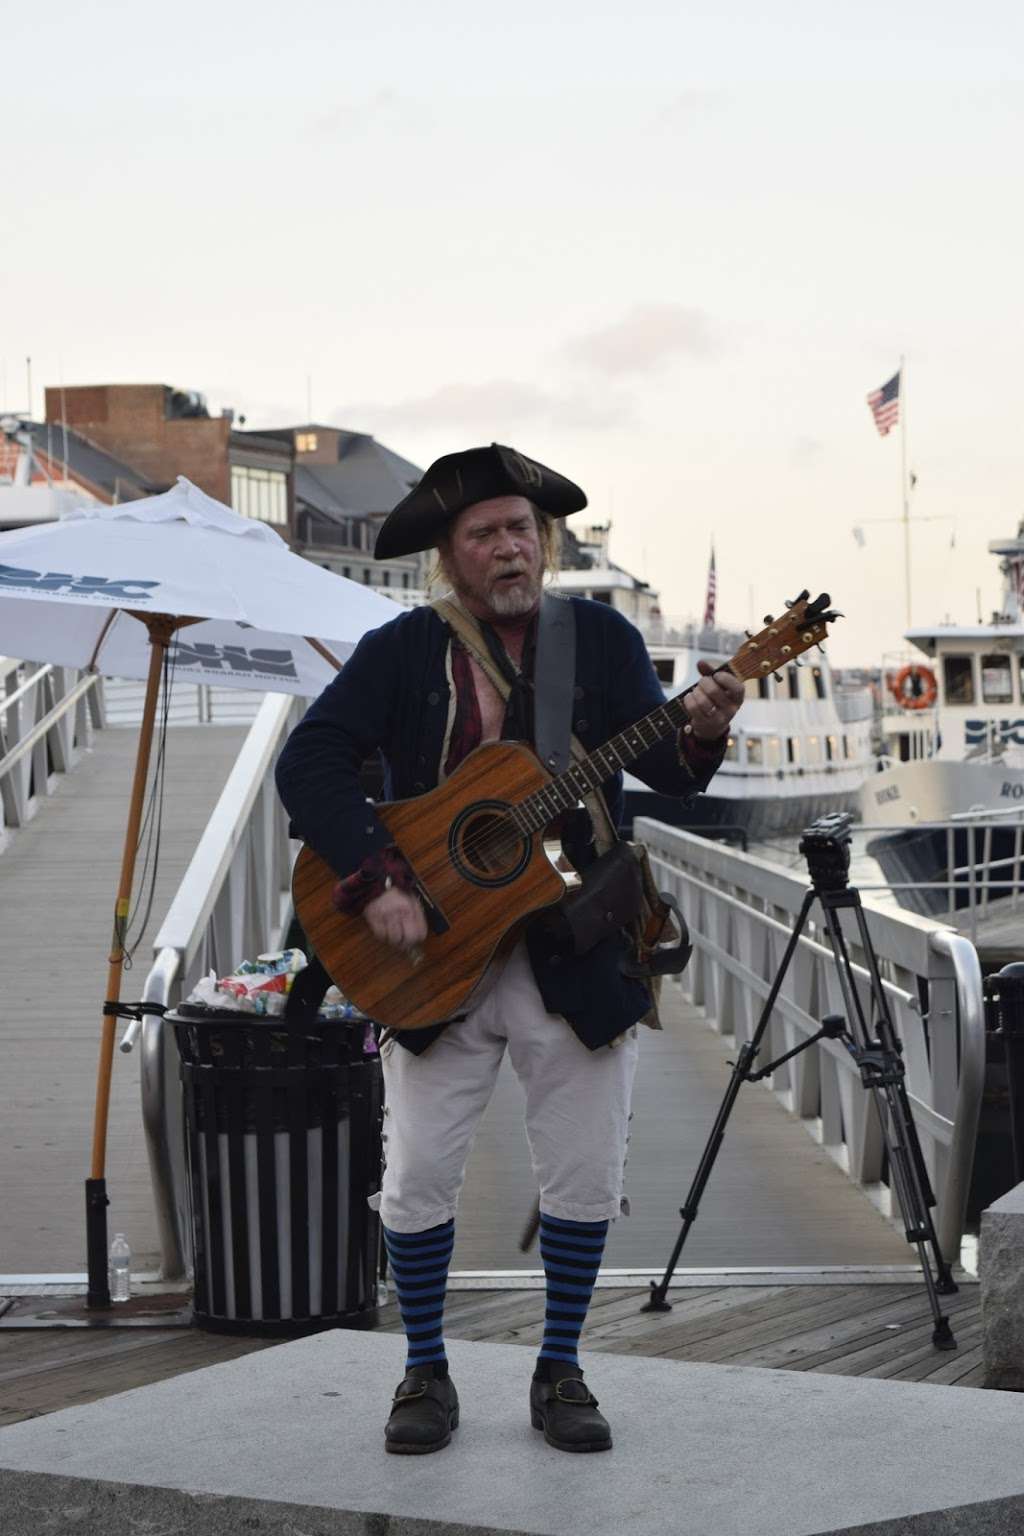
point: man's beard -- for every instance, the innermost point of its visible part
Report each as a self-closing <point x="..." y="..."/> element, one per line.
<point x="514" y="602"/>
<point x="505" y="602"/>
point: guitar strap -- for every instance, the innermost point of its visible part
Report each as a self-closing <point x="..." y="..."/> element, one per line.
<point x="554" y="680"/>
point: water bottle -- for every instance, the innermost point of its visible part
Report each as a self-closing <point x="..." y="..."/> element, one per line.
<point x="120" y="1268"/>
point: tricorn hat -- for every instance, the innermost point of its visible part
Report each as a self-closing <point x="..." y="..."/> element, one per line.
<point x="459" y="480"/>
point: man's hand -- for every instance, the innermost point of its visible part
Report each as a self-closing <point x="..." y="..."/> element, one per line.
<point x="713" y="702"/>
<point x="396" y="917"/>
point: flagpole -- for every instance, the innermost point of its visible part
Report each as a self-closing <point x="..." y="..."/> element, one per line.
<point x="904" y="488"/>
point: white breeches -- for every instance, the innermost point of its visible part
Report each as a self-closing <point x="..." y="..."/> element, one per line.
<point x="577" y="1108"/>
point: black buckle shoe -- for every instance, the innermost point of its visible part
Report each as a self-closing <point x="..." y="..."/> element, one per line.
<point x="424" y="1413"/>
<point x="566" y="1410"/>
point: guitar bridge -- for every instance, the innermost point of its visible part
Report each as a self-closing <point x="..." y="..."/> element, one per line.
<point x="436" y="920"/>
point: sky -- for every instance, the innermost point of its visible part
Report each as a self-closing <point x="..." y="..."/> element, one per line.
<point x="667" y="249"/>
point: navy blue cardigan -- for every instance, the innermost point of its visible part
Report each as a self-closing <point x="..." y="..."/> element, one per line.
<point x="392" y="697"/>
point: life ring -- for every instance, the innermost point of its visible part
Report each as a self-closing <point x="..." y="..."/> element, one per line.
<point x="914" y="687"/>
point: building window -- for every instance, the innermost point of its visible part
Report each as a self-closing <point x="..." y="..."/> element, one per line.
<point x="731" y="750"/>
<point x="601" y="597"/>
<point x="755" y="751"/>
<point x="831" y="748"/>
<point x="260" y="493"/>
<point x="385" y="579"/>
<point x="664" y="667"/>
<point x="793" y="749"/>
<point x="775" y="751"/>
<point x="819" y="682"/>
<point x="793" y="680"/>
<point x="366" y="577"/>
<point x="958" y="677"/>
<point x="305" y="442"/>
<point x="814" y="749"/>
<point x="996" y="681"/>
<point x="346" y="570"/>
<point x="405" y="578"/>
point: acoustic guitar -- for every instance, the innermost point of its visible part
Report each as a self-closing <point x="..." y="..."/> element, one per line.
<point x="476" y="848"/>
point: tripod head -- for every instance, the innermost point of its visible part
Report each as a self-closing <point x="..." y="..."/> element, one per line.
<point x="825" y="845"/>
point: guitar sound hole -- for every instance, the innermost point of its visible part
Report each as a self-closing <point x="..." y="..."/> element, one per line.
<point x="487" y="846"/>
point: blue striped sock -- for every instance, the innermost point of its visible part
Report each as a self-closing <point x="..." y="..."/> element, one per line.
<point x="571" y="1251"/>
<point x="419" y="1264"/>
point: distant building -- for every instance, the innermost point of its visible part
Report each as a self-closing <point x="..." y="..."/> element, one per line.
<point x="345" y="485"/>
<point x="585" y="570"/>
<point x="324" y="489"/>
<point x="46" y="470"/>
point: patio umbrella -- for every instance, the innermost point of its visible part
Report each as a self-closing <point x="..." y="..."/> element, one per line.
<point x="109" y="589"/>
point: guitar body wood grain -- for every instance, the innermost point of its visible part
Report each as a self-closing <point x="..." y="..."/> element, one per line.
<point x="481" y="877"/>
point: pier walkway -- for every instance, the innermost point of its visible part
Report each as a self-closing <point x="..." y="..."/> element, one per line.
<point x="58" y="879"/>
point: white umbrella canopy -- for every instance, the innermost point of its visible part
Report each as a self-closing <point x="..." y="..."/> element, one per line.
<point x="109" y="589"/>
<point x="77" y="593"/>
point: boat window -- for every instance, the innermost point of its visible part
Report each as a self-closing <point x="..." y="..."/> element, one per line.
<point x="664" y="666"/>
<point x="996" y="682"/>
<point x="731" y="750"/>
<point x="774" y="751"/>
<point x="755" y="751"/>
<point x="793" y="748"/>
<point x="819" y="682"/>
<point x="793" y="679"/>
<point x="958" y="678"/>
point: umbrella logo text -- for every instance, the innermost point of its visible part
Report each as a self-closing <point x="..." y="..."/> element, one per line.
<point x="234" y="658"/>
<point x="128" y="589"/>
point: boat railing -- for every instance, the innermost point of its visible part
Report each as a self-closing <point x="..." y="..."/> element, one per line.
<point x="233" y="901"/>
<point x="740" y="910"/>
<point x="970" y="886"/>
<point x="47" y="718"/>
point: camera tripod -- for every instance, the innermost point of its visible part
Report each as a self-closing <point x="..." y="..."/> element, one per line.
<point x="879" y="1060"/>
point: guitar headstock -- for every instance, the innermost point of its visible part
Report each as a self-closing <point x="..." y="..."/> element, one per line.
<point x="803" y="624"/>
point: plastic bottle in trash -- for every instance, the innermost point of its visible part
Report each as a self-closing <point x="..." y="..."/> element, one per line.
<point x="120" y="1268"/>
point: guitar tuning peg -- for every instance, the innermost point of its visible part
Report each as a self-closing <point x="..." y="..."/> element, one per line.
<point x="748" y="634"/>
<point x="777" y="676"/>
<point x="768" y="619"/>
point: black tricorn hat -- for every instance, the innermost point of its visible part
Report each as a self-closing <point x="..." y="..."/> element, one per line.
<point x="459" y="480"/>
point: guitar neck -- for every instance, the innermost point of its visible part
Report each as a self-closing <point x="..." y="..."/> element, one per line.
<point x="568" y="788"/>
<point x="782" y="640"/>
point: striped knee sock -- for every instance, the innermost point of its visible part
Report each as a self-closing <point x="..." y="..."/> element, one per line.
<point x="571" y="1251"/>
<point x="419" y="1263"/>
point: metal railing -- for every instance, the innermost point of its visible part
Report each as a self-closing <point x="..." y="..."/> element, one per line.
<point x="740" y="910"/>
<point x="233" y="901"/>
<point x="970" y="887"/>
<point x="47" y="718"/>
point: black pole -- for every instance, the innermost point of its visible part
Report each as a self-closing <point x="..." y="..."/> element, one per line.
<point x="96" y="1202"/>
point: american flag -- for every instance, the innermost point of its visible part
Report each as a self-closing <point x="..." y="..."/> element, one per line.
<point x="709" y="601"/>
<point x="885" y="405"/>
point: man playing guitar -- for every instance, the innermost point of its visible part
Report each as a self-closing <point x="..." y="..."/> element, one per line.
<point x="414" y="693"/>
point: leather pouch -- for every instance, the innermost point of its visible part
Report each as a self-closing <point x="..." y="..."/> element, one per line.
<point x="609" y="898"/>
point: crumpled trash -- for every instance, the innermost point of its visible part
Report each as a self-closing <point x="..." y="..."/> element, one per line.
<point x="261" y="987"/>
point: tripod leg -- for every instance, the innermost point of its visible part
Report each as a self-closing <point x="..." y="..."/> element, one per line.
<point x="741" y="1072"/>
<point x="906" y="1161"/>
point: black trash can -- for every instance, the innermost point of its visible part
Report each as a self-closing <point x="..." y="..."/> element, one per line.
<point x="283" y="1145"/>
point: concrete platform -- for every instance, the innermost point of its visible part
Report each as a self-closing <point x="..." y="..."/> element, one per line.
<point x="289" y="1441"/>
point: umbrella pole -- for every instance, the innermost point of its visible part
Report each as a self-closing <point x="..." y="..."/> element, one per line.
<point x="161" y="627"/>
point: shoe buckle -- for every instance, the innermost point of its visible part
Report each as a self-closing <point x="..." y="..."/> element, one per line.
<point x="588" y="1400"/>
<point x="413" y="1392"/>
